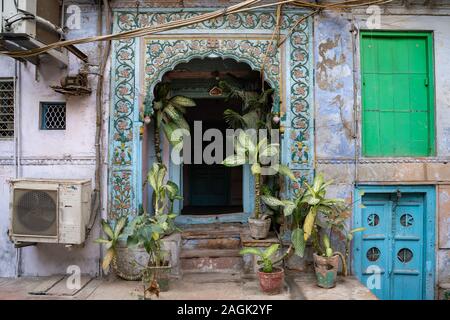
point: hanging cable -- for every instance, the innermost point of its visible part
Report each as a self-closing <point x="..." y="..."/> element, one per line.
<point x="145" y="31"/>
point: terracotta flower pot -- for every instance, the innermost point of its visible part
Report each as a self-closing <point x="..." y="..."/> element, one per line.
<point x="259" y="228"/>
<point x="326" y="270"/>
<point x="271" y="283"/>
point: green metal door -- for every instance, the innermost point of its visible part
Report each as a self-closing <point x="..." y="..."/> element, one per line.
<point x="397" y="94"/>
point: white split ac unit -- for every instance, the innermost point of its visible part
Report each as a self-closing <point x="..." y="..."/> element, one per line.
<point x="49" y="211"/>
<point x="30" y="24"/>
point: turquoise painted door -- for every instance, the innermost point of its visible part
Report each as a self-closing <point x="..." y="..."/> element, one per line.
<point x="393" y="245"/>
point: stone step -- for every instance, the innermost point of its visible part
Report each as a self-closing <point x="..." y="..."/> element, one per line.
<point x="212" y="253"/>
<point x="232" y="242"/>
<point x="212" y="277"/>
<point x="212" y="264"/>
<point x="212" y="231"/>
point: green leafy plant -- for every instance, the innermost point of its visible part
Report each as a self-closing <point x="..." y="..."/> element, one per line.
<point x="168" y="114"/>
<point x="247" y="151"/>
<point x="315" y="217"/>
<point x="112" y="230"/>
<point x="256" y="108"/>
<point x="148" y="230"/>
<point x="164" y="193"/>
<point x="265" y="256"/>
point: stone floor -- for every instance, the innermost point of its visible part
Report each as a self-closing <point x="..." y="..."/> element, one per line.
<point x="298" y="286"/>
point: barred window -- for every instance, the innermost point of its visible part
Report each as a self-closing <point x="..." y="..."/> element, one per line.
<point x="53" y="116"/>
<point x="6" y="108"/>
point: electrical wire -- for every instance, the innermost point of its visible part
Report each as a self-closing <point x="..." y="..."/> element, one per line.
<point x="247" y="5"/>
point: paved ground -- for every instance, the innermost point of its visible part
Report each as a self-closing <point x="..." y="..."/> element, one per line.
<point x="298" y="286"/>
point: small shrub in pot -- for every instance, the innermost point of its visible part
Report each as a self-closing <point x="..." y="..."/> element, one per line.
<point x="271" y="279"/>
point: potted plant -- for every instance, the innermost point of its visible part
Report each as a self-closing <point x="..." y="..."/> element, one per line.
<point x="148" y="231"/>
<point x="271" y="279"/>
<point x="247" y="151"/>
<point x="167" y="113"/>
<point x="316" y="217"/>
<point x="113" y="231"/>
<point x="256" y="115"/>
<point x="133" y="247"/>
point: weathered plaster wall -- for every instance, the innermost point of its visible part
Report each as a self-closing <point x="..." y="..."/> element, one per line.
<point x="54" y="154"/>
<point x="336" y="148"/>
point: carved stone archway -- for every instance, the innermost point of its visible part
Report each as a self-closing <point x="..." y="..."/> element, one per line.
<point x="139" y="65"/>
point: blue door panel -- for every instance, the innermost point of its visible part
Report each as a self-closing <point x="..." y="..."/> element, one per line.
<point x="374" y="250"/>
<point x="392" y="244"/>
<point x="408" y="245"/>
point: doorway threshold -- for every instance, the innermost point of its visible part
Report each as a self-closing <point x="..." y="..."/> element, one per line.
<point x="240" y="217"/>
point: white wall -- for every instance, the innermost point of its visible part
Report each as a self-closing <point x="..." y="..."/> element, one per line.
<point x="54" y="154"/>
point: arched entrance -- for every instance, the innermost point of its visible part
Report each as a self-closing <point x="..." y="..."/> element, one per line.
<point x="138" y="65"/>
<point x="209" y="189"/>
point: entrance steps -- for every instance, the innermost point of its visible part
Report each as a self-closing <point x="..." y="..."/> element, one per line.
<point x="212" y="248"/>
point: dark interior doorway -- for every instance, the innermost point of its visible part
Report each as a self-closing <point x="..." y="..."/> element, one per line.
<point x="211" y="188"/>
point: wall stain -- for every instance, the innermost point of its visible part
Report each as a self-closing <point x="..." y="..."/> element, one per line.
<point x="329" y="64"/>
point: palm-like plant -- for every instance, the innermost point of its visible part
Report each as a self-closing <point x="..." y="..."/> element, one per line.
<point x="256" y="108"/>
<point x="247" y="151"/>
<point x="168" y="115"/>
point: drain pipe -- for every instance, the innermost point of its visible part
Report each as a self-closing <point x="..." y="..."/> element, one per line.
<point x="17" y="143"/>
<point x="355" y="31"/>
<point x="104" y="52"/>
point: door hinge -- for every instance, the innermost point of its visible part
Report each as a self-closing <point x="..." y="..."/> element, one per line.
<point x="426" y="82"/>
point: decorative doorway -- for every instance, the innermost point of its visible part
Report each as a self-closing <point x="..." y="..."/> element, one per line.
<point x="138" y="66"/>
<point x="208" y="187"/>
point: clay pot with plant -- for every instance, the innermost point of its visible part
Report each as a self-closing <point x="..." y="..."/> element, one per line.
<point x="315" y="217"/>
<point x="249" y="152"/>
<point x="134" y="248"/>
<point x="149" y="230"/>
<point x="256" y="115"/>
<point x="271" y="278"/>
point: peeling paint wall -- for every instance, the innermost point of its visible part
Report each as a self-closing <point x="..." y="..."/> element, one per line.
<point x="55" y="154"/>
<point x="337" y="91"/>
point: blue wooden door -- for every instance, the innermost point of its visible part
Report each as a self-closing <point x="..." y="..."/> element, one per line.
<point x="392" y="245"/>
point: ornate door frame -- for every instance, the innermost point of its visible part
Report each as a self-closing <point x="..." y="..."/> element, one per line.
<point x="139" y="64"/>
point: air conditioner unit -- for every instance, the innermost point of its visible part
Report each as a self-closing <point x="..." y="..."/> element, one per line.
<point x="30" y="24"/>
<point x="38" y="19"/>
<point x="49" y="211"/>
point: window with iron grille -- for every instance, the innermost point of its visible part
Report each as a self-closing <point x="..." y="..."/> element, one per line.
<point x="53" y="116"/>
<point x="6" y="108"/>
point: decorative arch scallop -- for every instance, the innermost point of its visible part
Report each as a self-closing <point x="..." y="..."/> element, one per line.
<point x="139" y="64"/>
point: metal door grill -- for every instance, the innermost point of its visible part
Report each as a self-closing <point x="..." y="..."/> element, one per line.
<point x="53" y="116"/>
<point x="6" y="108"/>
